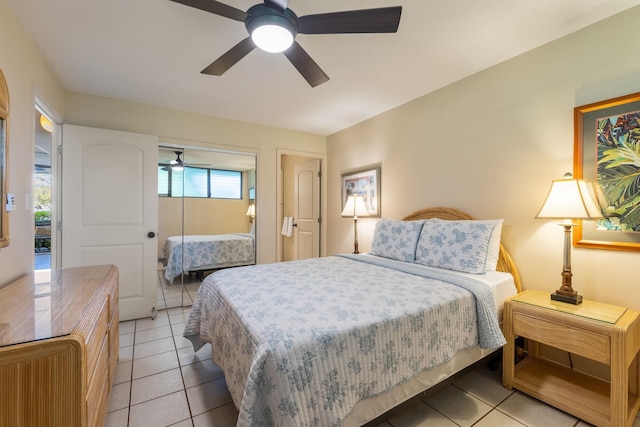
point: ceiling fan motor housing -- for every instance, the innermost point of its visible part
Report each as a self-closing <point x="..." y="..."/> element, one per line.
<point x="261" y="14"/>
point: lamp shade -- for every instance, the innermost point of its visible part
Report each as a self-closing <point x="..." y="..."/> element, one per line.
<point x="569" y="199"/>
<point x="252" y="210"/>
<point x="355" y="207"/>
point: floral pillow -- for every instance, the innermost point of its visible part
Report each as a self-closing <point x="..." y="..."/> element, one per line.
<point x="456" y="245"/>
<point x="396" y="239"/>
<point x="493" y="251"/>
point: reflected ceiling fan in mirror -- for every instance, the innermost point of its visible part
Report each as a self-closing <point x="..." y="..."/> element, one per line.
<point x="178" y="164"/>
<point x="273" y="27"/>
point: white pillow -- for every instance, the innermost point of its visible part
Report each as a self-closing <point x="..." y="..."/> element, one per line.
<point x="396" y="239"/>
<point x="493" y="252"/>
<point x="456" y="245"/>
<point x="494" y="244"/>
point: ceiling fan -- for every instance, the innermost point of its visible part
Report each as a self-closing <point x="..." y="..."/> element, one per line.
<point x="272" y="27"/>
<point x="178" y="164"/>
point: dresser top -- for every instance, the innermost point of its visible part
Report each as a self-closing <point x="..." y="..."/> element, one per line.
<point x="32" y="309"/>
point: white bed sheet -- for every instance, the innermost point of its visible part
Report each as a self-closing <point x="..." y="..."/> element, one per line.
<point x="501" y="284"/>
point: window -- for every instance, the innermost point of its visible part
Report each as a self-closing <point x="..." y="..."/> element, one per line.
<point x="163" y="180"/>
<point x="225" y="184"/>
<point x="199" y="182"/>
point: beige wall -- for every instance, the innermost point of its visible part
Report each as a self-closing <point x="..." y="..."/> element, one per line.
<point x="201" y="216"/>
<point x="491" y="144"/>
<point x="27" y="77"/>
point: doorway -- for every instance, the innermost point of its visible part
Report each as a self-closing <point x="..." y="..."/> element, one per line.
<point x="301" y="184"/>
<point x="43" y="192"/>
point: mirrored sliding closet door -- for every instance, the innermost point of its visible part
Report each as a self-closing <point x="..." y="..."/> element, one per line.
<point x="206" y="218"/>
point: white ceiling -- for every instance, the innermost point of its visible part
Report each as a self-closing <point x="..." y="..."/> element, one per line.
<point x="152" y="51"/>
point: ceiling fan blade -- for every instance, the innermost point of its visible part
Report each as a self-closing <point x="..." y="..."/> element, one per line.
<point x="216" y="7"/>
<point x="230" y="58"/>
<point x="380" y="20"/>
<point x="280" y="5"/>
<point x="306" y="66"/>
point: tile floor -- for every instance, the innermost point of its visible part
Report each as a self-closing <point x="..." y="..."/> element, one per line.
<point x="171" y="295"/>
<point x="160" y="381"/>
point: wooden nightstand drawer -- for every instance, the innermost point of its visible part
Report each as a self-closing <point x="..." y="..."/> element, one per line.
<point x="574" y="340"/>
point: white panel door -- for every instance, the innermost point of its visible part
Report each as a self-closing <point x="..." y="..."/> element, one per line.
<point x="306" y="189"/>
<point x="110" y="209"/>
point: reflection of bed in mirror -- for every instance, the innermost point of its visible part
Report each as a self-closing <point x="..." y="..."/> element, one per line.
<point x="207" y="252"/>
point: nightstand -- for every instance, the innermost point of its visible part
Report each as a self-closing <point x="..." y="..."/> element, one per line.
<point x="604" y="333"/>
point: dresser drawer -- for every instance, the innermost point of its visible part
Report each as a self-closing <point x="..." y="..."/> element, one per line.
<point x="564" y="337"/>
<point x="114" y="333"/>
<point x="113" y="298"/>
<point x="95" y="338"/>
<point x="114" y="344"/>
<point x="98" y="387"/>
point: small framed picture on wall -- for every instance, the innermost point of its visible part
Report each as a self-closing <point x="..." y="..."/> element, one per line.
<point x="364" y="183"/>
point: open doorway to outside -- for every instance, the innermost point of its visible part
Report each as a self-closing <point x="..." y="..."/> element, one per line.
<point x="43" y="191"/>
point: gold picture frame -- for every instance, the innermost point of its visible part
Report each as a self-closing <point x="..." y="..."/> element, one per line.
<point x="607" y="134"/>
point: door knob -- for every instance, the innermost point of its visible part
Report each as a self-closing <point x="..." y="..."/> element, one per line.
<point x="151" y="234"/>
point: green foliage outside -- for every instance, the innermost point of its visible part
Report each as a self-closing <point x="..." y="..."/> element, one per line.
<point x="42" y="215"/>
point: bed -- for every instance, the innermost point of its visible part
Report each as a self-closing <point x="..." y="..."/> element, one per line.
<point x="341" y="340"/>
<point x="207" y="252"/>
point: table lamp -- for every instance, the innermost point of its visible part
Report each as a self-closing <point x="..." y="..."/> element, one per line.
<point x="355" y="208"/>
<point x="568" y="199"/>
<point x="251" y="212"/>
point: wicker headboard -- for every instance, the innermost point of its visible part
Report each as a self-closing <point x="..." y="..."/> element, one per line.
<point x="505" y="263"/>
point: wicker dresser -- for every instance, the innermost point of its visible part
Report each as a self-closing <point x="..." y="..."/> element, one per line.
<point x="58" y="347"/>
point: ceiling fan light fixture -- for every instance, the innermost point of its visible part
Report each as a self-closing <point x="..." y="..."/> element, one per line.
<point x="177" y="165"/>
<point x="272" y="38"/>
<point x="271" y="30"/>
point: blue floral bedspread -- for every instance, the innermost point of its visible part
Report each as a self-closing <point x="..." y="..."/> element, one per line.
<point x="207" y="252"/>
<point x="302" y="342"/>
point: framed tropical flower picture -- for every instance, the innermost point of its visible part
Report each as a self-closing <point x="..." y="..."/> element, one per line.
<point x="607" y="154"/>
